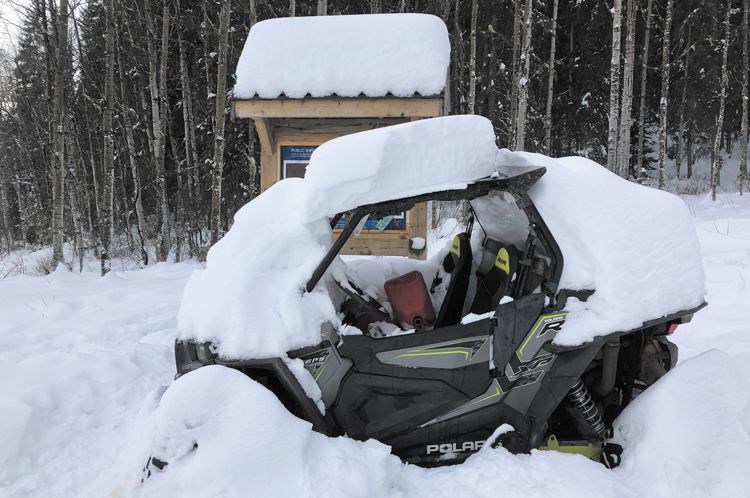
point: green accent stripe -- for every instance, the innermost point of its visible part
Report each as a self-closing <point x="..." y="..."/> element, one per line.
<point x="431" y="353"/>
<point x="498" y="392"/>
<point x="320" y="370"/>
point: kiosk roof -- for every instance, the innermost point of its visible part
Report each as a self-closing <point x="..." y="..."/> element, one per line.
<point x="403" y="55"/>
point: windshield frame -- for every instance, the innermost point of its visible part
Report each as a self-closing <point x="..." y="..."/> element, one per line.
<point x="514" y="180"/>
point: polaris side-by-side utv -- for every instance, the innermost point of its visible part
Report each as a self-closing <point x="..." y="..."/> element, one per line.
<point x="439" y="387"/>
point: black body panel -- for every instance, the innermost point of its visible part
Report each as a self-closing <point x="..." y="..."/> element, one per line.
<point x="376" y="406"/>
<point x="471" y="380"/>
<point x="513" y="322"/>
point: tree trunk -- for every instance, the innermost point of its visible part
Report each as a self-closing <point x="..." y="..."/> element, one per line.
<point x="58" y="185"/>
<point x="742" y="174"/>
<point x="107" y="222"/>
<point x="163" y="238"/>
<point x="5" y="206"/>
<point x="644" y="74"/>
<point x="158" y="109"/>
<point x="73" y="197"/>
<point x="523" y="82"/>
<point x="626" y="109"/>
<point x="614" y="86"/>
<point x="322" y="7"/>
<point x="473" y="57"/>
<point x="689" y="152"/>
<point x="376" y="6"/>
<point x="458" y="62"/>
<point x="137" y="198"/>
<point x="188" y="119"/>
<point x="716" y="163"/>
<point x="683" y="103"/>
<point x="550" y="83"/>
<point x="292" y="8"/>
<point x="665" y="67"/>
<point x="514" y="73"/>
<point x="221" y="95"/>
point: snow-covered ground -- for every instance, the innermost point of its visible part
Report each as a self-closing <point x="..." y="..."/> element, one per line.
<point x="84" y="362"/>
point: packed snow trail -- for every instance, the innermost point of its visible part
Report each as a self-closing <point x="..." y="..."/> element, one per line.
<point x="84" y="362"/>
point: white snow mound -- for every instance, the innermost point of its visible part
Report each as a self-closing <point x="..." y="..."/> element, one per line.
<point x="346" y="56"/>
<point x="635" y="246"/>
<point x="399" y="161"/>
<point x="249" y="300"/>
<point x="222" y="434"/>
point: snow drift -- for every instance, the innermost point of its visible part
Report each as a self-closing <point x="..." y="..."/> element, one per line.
<point x="239" y="439"/>
<point x="635" y="246"/>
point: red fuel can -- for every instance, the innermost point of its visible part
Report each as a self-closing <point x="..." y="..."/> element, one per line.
<point x="410" y="301"/>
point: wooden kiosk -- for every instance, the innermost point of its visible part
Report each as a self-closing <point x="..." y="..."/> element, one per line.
<point x="291" y="124"/>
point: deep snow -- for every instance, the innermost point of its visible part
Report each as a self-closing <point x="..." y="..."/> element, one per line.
<point x="346" y="56"/>
<point x="84" y="362"/>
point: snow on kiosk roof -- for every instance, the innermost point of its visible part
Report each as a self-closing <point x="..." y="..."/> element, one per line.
<point x="401" y="55"/>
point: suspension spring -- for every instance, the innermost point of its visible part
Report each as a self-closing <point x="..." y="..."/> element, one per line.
<point x="580" y="398"/>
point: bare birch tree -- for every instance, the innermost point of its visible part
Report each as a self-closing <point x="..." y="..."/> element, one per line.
<point x="523" y="82"/>
<point x="221" y="95"/>
<point x="514" y="73"/>
<point x="107" y="222"/>
<point x="137" y="197"/>
<point x="58" y="179"/>
<point x="716" y="162"/>
<point x="473" y="57"/>
<point x="5" y="205"/>
<point x="188" y="117"/>
<point x="626" y="107"/>
<point x="292" y="8"/>
<point x="665" y="67"/>
<point x="322" y="7"/>
<point x="614" y="86"/>
<point x="644" y="74"/>
<point x="158" y="108"/>
<point x="742" y="174"/>
<point x="550" y="82"/>
<point x="683" y="102"/>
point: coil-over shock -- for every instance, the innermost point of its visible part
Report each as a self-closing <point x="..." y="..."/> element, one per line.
<point x="581" y="400"/>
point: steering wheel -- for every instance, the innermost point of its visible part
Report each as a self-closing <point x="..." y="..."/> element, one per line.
<point x="360" y="311"/>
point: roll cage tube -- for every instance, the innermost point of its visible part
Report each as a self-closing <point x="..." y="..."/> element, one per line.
<point x="542" y="232"/>
<point x="336" y="247"/>
<point x="517" y="183"/>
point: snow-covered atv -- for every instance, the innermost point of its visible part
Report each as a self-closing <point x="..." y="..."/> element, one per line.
<point x="434" y="383"/>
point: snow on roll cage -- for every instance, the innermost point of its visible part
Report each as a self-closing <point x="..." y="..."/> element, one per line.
<point x="432" y="390"/>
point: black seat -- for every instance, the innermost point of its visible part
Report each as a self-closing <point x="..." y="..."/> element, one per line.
<point x="458" y="263"/>
<point x="495" y="275"/>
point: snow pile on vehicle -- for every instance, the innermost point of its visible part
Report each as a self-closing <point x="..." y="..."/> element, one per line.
<point x="222" y="434"/>
<point x="346" y="56"/>
<point x="635" y="246"/>
<point x="400" y="161"/>
<point x="249" y="301"/>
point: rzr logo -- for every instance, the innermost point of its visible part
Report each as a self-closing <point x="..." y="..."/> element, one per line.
<point x="454" y="447"/>
<point x="552" y="324"/>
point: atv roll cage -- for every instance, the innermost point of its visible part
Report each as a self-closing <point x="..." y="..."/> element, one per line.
<point x="516" y="180"/>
